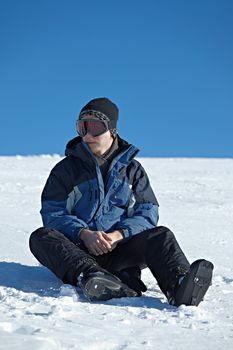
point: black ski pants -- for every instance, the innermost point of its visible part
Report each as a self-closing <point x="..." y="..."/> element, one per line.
<point x="156" y="249"/>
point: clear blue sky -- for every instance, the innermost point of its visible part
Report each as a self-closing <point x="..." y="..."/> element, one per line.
<point x="167" y="64"/>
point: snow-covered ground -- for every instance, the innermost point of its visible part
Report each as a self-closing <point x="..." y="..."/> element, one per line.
<point x="38" y="312"/>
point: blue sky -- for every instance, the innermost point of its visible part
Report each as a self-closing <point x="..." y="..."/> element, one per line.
<point x="168" y="65"/>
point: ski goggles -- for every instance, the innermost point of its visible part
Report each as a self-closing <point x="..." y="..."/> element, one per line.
<point x="93" y="126"/>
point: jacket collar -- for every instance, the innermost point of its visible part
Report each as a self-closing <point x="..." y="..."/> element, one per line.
<point x="77" y="148"/>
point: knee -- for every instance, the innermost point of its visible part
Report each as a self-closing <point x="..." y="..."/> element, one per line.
<point x="167" y="232"/>
<point x="36" y="236"/>
<point x="162" y="232"/>
<point x="160" y="236"/>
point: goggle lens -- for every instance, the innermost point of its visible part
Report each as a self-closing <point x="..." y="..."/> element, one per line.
<point x="93" y="127"/>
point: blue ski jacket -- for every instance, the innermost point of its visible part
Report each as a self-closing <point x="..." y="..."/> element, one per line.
<point x="75" y="196"/>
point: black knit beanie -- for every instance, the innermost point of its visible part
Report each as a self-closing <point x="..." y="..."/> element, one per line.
<point x="105" y="107"/>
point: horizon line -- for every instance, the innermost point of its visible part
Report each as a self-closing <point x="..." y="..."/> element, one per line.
<point x="57" y="155"/>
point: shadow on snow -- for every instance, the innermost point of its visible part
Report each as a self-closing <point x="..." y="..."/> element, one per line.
<point x="40" y="280"/>
<point x="29" y="279"/>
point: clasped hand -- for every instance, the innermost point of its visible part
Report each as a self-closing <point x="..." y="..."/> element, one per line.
<point x="99" y="242"/>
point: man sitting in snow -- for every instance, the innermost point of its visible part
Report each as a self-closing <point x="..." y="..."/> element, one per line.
<point x="100" y="220"/>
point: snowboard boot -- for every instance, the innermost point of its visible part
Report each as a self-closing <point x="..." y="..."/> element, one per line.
<point x="98" y="284"/>
<point x="192" y="287"/>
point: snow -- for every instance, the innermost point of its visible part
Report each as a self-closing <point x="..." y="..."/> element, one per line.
<point x="37" y="311"/>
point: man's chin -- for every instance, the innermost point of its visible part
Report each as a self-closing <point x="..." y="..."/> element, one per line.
<point x="93" y="146"/>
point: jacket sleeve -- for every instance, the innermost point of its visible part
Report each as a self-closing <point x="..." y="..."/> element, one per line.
<point x="54" y="211"/>
<point x="142" y="212"/>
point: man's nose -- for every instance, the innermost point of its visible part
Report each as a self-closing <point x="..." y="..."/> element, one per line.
<point x="88" y="137"/>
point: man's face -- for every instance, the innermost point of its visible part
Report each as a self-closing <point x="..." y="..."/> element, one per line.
<point x="98" y="144"/>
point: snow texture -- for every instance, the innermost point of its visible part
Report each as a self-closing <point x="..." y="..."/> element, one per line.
<point x="38" y="312"/>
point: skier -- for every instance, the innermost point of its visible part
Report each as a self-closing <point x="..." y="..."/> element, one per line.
<point x="100" y="220"/>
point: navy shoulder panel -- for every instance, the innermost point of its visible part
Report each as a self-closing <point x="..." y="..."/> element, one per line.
<point x="141" y="185"/>
<point x="68" y="173"/>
